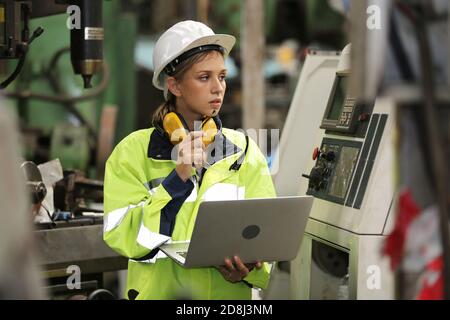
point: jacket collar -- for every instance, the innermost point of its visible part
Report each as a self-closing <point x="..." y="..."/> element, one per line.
<point x="160" y="147"/>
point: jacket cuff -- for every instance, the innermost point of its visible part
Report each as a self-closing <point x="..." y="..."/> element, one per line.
<point x="259" y="277"/>
<point x="175" y="186"/>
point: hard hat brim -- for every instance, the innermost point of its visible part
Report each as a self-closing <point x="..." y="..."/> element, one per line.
<point x="224" y="40"/>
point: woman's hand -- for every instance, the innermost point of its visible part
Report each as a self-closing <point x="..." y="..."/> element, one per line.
<point x="235" y="272"/>
<point x="191" y="152"/>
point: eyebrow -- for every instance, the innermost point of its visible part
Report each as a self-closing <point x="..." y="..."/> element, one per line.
<point x="209" y="71"/>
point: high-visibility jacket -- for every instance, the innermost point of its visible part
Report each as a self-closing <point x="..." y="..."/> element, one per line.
<point x="145" y="201"/>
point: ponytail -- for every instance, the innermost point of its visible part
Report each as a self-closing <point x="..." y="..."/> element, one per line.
<point x="162" y="110"/>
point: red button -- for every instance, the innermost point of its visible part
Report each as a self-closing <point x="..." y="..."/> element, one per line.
<point x="363" y="117"/>
<point x="316" y="153"/>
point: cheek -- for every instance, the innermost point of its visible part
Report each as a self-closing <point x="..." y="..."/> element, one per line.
<point x="195" y="93"/>
<point x="198" y="90"/>
<point x="190" y="90"/>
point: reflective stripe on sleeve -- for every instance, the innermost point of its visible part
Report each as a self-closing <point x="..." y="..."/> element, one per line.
<point x="193" y="196"/>
<point x="149" y="239"/>
<point x="114" y="218"/>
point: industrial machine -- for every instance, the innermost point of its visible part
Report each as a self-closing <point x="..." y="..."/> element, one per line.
<point x="86" y="33"/>
<point x="68" y="236"/>
<point x="342" y="156"/>
<point x="316" y="77"/>
<point x="71" y="236"/>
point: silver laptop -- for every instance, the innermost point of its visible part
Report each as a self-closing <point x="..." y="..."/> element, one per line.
<point x="253" y="229"/>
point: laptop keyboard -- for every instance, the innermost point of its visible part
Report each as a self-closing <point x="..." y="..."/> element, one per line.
<point x="182" y="253"/>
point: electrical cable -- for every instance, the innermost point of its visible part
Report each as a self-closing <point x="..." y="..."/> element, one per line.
<point x="26" y="94"/>
<point x="21" y="62"/>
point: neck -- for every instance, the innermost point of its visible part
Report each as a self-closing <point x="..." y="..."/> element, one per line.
<point x="189" y="116"/>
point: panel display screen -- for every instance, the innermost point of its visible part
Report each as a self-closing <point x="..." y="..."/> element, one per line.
<point x="343" y="171"/>
<point x="338" y="98"/>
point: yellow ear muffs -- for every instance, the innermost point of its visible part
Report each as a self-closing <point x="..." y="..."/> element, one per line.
<point x="176" y="128"/>
<point x="210" y="128"/>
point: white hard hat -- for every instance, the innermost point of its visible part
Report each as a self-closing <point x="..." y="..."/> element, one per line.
<point x="344" y="60"/>
<point x="181" y="38"/>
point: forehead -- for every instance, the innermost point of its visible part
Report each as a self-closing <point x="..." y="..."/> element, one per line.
<point x="214" y="61"/>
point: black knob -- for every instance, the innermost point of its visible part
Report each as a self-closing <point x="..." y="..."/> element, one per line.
<point x="329" y="156"/>
<point x="317" y="178"/>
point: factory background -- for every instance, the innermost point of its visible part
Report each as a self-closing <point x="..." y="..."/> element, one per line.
<point x="357" y="92"/>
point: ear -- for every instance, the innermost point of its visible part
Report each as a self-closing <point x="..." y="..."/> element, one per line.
<point x="173" y="86"/>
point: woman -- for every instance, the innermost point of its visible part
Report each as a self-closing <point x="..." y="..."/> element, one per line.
<point x="153" y="188"/>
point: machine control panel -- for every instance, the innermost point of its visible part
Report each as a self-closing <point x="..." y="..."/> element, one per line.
<point x="343" y="112"/>
<point x="346" y="114"/>
<point x="335" y="163"/>
<point x="343" y="166"/>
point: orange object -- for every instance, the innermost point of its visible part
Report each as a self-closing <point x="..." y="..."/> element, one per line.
<point x="177" y="130"/>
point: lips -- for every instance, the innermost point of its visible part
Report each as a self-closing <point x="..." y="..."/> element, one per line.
<point x="216" y="101"/>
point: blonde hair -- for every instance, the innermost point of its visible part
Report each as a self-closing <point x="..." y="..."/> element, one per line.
<point x="170" y="104"/>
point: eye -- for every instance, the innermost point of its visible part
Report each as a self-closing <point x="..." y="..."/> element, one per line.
<point x="222" y="77"/>
<point x="204" y="77"/>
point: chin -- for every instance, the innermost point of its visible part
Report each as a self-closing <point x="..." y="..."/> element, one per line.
<point x="214" y="113"/>
<point x="210" y="113"/>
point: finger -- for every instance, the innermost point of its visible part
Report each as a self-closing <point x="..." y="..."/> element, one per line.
<point x="250" y="266"/>
<point x="195" y="136"/>
<point x="196" y="133"/>
<point x="183" y="155"/>
<point x="198" y="158"/>
<point x="198" y="142"/>
<point x="198" y="136"/>
<point x="229" y="265"/>
<point x="258" y="265"/>
<point x="192" y="136"/>
<point x="179" y="134"/>
<point x="198" y="149"/>
<point x="224" y="271"/>
<point x="240" y="266"/>
<point x="198" y="153"/>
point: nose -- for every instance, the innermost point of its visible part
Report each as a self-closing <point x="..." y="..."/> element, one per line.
<point x="217" y="86"/>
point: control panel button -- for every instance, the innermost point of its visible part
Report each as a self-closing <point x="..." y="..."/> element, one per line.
<point x="316" y="153"/>
<point x="364" y="117"/>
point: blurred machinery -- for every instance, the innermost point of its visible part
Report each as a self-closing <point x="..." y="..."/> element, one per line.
<point x="86" y="32"/>
<point x="349" y="172"/>
<point x="82" y="23"/>
<point x="77" y="192"/>
<point x="19" y="273"/>
<point x="317" y="75"/>
<point x="71" y="235"/>
<point x="86" y="39"/>
<point x="407" y="58"/>
<point x="35" y="185"/>
<point x="72" y="232"/>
